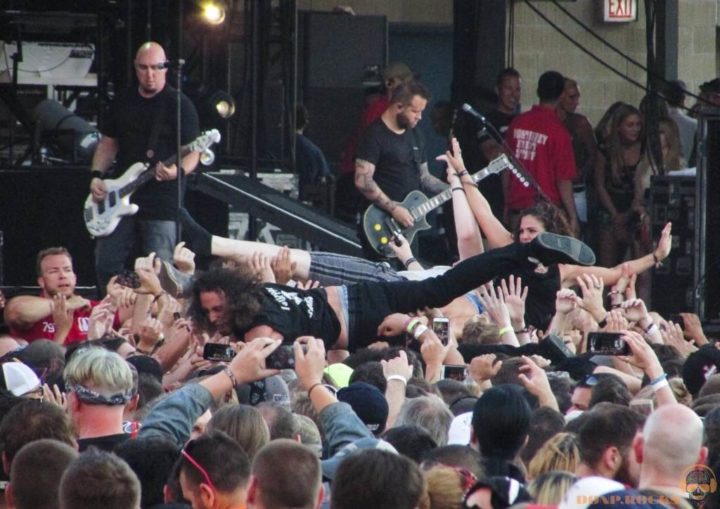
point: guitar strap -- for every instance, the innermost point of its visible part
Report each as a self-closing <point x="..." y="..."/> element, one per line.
<point x="160" y="116"/>
<point x="416" y="149"/>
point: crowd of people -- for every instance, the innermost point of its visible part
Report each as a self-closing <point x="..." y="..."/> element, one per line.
<point x="524" y="375"/>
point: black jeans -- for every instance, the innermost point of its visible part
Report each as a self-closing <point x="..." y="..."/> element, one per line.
<point x="369" y="303"/>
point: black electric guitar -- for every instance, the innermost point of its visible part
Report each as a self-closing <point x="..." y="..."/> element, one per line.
<point x="380" y="228"/>
<point x="101" y="218"/>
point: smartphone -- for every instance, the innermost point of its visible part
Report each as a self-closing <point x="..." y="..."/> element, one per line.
<point x="441" y="328"/>
<point x="218" y="352"/>
<point x="607" y="343"/>
<point x="558" y="346"/>
<point x="128" y="278"/>
<point x="643" y="406"/>
<point x="454" y="372"/>
<point x="678" y="319"/>
<point x="282" y="358"/>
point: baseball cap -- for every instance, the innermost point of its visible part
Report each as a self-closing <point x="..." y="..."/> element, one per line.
<point x="699" y="366"/>
<point x="368" y="403"/>
<point x="272" y="389"/>
<point x="19" y="379"/>
<point x="397" y="71"/>
<point x="330" y="465"/>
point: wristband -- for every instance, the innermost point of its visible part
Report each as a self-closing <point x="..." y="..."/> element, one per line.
<point x="397" y="377"/>
<point x="505" y="330"/>
<point x="458" y="189"/>
<point x="231" y="376"/>
<point x="412" y="324"/>
<point x="409" y="261"/>
<point x="419" y="331"/>
<point x="659" y="379"/>
<point x="313" y="387"/>
<point x="649" y="327"/>
<point x="657" y="260"/>
<point x="661" y="384"/>
<point x="96" y="174"/>
<point x="461" y="173"/>
<point x="603" y="323"/>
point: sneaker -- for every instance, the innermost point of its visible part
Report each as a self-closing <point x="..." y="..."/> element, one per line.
<point x="176" y="283"/>
<point x="550" y="248"/>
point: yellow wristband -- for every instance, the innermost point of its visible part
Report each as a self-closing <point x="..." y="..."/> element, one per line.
<point x="505" y="330"/>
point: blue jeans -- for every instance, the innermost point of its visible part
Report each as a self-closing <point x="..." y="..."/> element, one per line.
<point x="112" y="252"/>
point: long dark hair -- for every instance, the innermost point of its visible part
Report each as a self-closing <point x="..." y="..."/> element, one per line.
<point x="552" y="218"/>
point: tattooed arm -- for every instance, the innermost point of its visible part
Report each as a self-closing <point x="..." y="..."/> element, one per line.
<point x="365" y="183"/>
<point x="430" y="183"/>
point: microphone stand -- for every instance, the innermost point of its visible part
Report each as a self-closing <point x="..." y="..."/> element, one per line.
<point x="178" y="123"/>
<point x="508" y="151"/>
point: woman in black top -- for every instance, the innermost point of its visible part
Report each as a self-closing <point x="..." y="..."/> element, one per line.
<point x="543" y="282"/>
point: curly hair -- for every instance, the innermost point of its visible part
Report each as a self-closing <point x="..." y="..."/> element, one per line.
<point x="551" y="216"/>
<point x="241" y="290"/>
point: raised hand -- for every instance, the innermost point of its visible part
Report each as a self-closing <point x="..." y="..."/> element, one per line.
<point x="282" y="266"/>
<point x="515" y="294"/>
<point x="184" y="259"/>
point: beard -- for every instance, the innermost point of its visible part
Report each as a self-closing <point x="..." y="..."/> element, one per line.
<point x="624" y="475"/>
<point x="403" y="122"/>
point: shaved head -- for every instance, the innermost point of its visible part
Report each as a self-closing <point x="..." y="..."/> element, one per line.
<point x="150" y="69"/>
<point x="667" y="450"/>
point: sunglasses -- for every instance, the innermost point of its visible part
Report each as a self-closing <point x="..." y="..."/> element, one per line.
<point x="197" y="465"/>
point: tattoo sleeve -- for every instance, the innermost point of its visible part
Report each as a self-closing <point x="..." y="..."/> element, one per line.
<point x="365" y="183"/>
<point x="429" y="182"/>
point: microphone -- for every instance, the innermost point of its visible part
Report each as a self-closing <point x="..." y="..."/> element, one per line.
<point x="472" y="111"/>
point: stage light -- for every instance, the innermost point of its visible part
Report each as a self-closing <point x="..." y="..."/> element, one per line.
<point x="213" y="12"/>
<point x="73" y="134"/>
<point x="223" y="104"/>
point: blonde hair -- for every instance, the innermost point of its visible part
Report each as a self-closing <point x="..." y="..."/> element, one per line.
<point x="444" y="487"/>
<point x="560" y="452"/>
<point x="550" y="488"/>
<point x="101" y="370"/>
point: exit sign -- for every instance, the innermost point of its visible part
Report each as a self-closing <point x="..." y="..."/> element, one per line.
<point x="619" y="11"/>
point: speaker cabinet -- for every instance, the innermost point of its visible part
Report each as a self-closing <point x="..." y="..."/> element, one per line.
<point x="707" y="245"/>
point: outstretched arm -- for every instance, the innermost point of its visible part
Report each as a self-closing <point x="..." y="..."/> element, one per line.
<point x="610" y="276"/>
<point x="496" y="233"/>
<point x="469" y="239"/>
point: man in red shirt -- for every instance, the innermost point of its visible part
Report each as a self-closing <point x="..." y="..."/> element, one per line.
<point x="542" y="145"/>
<point x="58" y="313"/>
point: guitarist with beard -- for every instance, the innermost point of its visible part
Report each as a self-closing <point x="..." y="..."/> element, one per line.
<point x="390" y="160"/>
<point x="141" y="127"/>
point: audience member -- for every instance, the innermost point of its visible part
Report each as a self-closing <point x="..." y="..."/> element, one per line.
<point x="244" y="424"/>
<point x="99" y="479"/>
<point x="285" y="475"/>
<point x="35" y="474"/>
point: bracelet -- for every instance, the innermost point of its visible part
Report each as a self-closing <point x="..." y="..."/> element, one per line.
<point x="647" y="329"/>
<point x="231" y="376"/>
<point x="419" y="331"/>
<point x="659" y="379"/>
<point x="412" y="324"/>
<point x="96" y="174"/>
<point x="660" y="385"/>
<point x="462" y="173"/>
<point x="397" y="377"/>
<point x="313" y="387"/>
<point x="505" y="330"/>
<point x="409" y="261"/>
<point x="603" y="323"/>
<point x="658" y="261"/>
<point x="458" y="189"/>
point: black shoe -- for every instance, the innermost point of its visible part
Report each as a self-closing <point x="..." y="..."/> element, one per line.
<point x="174" y="282"/>
<point x="550" y="248"/>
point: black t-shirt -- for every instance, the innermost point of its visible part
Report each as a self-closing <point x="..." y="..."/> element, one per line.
<point x="130" y="122"/>
<point x="105" y="443"/>
<point x="499" y="120"/>
<point x="396" y="157"/>
<point x="294" y="312"/>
